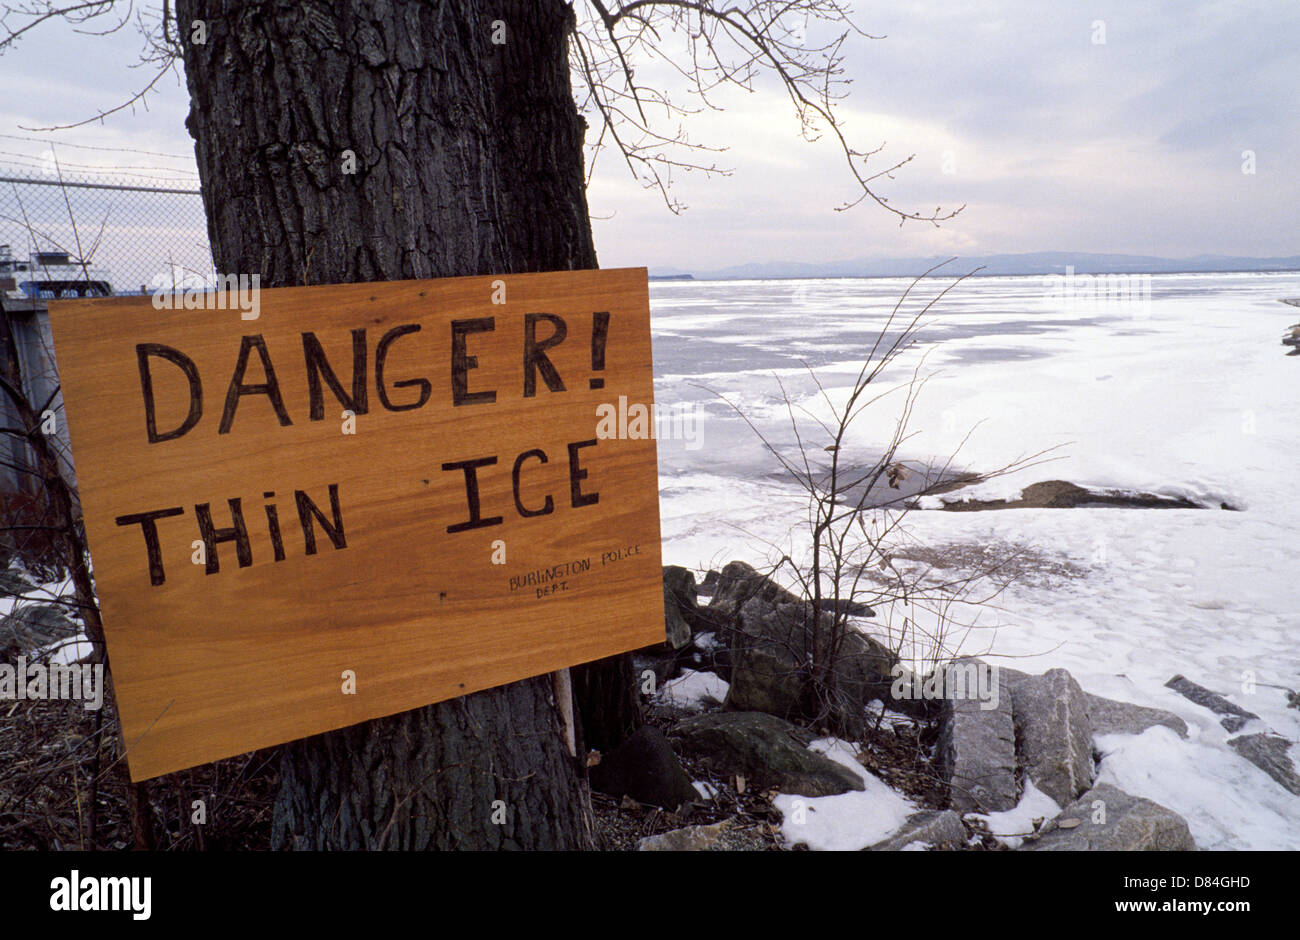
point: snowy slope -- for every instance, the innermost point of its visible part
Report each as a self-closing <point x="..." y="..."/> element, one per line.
<point x="1186" y="393"/>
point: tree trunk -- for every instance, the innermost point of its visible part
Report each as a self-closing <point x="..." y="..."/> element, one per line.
<point x="468" y="161"/>
<point x="609" y="703"/>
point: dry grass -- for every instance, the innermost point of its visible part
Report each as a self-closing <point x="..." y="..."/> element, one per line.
<point x="58" y="759"/>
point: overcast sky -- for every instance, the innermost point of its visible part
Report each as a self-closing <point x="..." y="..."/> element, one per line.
<point x="1053" y="140"/>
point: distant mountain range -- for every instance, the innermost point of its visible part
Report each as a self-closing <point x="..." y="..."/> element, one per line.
<point x="1039" y="262"/>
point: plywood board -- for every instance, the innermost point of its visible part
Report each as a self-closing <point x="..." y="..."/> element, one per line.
<point x="359" y="553"/>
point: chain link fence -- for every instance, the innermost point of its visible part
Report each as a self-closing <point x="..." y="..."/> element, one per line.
<point x="66" y="235"/>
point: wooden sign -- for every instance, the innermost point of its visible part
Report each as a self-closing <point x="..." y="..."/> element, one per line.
<point x="308" y="507"/>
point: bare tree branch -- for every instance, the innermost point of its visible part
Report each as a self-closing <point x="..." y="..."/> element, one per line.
<point x="724" y="43"/>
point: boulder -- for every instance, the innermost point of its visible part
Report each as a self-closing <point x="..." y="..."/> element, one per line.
<point x="645" y="768"/>
<point x="31" y="626"/>
<point x="1053" y="731"/>
<point x="680" y="582"/>
<point x="709" y="654"/>
<point x="689" y="839"/>
<point x="1061" y="494"/>
<point x="737" y="584"/>
<point x="1112" y="717"/>
<point x="767" y="671"/>
<point x="1234" y="717"/>
<point x="677" y="632"/>
<point x="976" y="752"/>
<point x="933" y="828"/>
<point x="1131" y="824"/>
<point x="681" y="608"/>
<point x="1270" y="753"/>
<point x="663" y="661"/>
<point x="908" y="694"/>
<point x="766" y="751"/>
<point x="851" y="608"/>
<point x="682" y="593"/>
<point x="14" y="583"/>
<point x="863" y="672"/>
<point x="771" y="644"/>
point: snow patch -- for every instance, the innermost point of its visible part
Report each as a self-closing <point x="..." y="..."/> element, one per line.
<point x="849" y="821"/>
<point x="694" y="690"/>
<point x="1011" y="826"/>
<point x="1228" y="802"/>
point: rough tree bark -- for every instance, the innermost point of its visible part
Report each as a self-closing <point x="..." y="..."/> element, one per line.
<point x="469" y="161"/>
<point x="609" y="702"/>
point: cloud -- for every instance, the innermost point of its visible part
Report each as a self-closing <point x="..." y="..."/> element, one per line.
<point x="1052" y="139"/>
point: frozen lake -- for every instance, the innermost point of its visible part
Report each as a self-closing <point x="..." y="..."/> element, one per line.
<point x="1176" y="386"/>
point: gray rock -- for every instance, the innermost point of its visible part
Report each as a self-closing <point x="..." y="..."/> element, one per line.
<point x="680" y="606"/>
<point x="1112" y="717"/>
<point x="976" y="753"/>
<point x="677" y="632"/>
<point x="766" y="751"/>
<point x="737" y="584"/>
<point x="852" y="608"/>
<point x="1131" y="824"/>
<point x="1054" y="732"/>
<point x="1234" y="716"/>
<point x="688" y="839"/>
<point x="681" y="583"/>
<point x="1268" y="752"/>
<point x="661" y="660"/>
<point x="770" y="646"/>
<point x="863" y="672"/>
<point x="935" y="828"/>
<point x="14" y="584"/>
<point x="645" y="768"/>
<point x="766" y="675"/>
<point x="708" y="654"/>
<point x="31" y="626"/>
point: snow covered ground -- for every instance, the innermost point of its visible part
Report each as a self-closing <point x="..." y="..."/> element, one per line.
<point x="1184" y="392"/>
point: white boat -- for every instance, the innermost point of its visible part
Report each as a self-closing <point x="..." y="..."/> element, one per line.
<point x="50" y="275"/>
